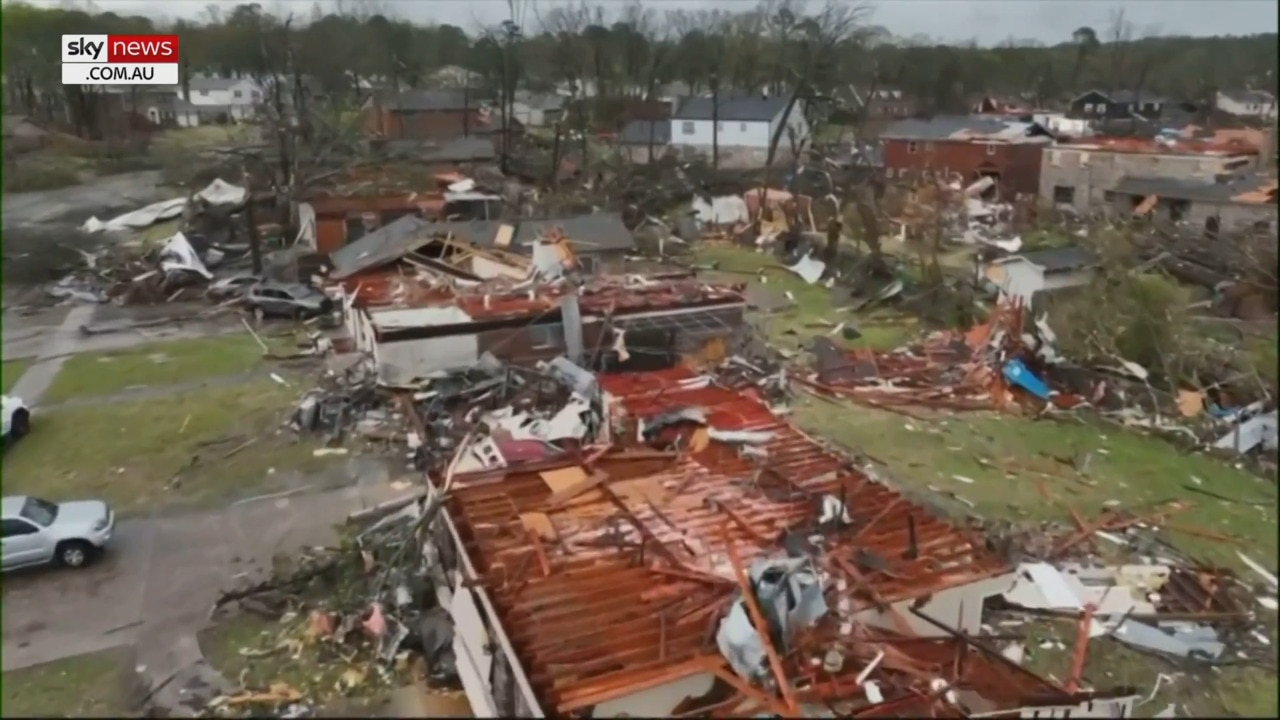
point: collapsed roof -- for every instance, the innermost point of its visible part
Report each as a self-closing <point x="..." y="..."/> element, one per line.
<point x="616" y="579"/>
<point x="597" y="232"/>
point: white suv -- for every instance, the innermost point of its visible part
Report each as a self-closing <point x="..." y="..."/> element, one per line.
<point x="38" y="532"/>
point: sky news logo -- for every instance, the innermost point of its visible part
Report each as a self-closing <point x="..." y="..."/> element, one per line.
<point x="119" y="59"/>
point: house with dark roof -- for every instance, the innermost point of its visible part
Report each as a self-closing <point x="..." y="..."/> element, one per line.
<point x="1258" y="104"/>
<point x="1227" y="202"/>
<point x="644" y="140"/>
<point x="970" y="147"/>
<point x="1026" y="275"/>
<point x="439" y="114"/>
<point x="1117" y="105"/>
<point x="742" y="126"/>
<point x="599" y="240"/>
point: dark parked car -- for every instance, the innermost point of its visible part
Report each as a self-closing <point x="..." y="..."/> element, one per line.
<point x="292" y="300"/>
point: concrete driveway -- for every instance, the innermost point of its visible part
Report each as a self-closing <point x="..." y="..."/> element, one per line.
<point x="158" y="582"/>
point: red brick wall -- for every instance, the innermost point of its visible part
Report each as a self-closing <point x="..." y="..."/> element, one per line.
<point x="1018" y="164"/>
<point x="433" y="125"/>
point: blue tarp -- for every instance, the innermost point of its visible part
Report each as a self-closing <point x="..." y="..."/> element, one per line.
<point x="1018" y="374"/>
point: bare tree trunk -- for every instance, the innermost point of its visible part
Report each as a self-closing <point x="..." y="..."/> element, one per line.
<point x="555" y="154"/>
<point x="505" y="156"/>
<point x="466" y="109"/>
<point x="831" y="252"/>
<point x="715" y="120"/>
<point x="582" y="139"/>
<point x="255" y="240"/>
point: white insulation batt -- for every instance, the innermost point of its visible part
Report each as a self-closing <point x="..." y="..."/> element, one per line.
<point x="217" y="193"/>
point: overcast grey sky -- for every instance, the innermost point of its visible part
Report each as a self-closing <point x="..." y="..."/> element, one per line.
<point x="987" y="21"/>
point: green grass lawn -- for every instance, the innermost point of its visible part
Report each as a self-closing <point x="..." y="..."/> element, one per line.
<point x="11" y="370"/>
<point x="95" y="685"/>
<point x="1015" y="476"/>
<point x="1011" y="461"/>
<point x="155" y="364"/>
<point x="205" y="136"/>
<point x="814" y="312"/>
<point x="129" y="452"/>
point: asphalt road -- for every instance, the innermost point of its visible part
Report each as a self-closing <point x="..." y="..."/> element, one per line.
<point x="157" y="582"/>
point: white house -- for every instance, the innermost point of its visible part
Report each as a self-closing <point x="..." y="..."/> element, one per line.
<point x="236" y="97"/>
<point x="1247" y="103"/>
<point x="537" y="109"/>
<point x="455" y="76"/>
<point x="1059" y="124"/>
<point x="746" y="126"/>
<point x="1023" y="275"/>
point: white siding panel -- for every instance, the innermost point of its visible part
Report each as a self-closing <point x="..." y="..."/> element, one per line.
<point x="732" y="133"/>
<point x="402" y="361"/>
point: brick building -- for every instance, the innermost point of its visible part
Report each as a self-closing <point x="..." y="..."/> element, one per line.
<point x="427" y="115"/>
<point x="971" y="147"/>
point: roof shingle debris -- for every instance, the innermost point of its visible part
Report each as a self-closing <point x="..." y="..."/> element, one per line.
<point x="665" y="543"/>
<point x="625" y="568"/>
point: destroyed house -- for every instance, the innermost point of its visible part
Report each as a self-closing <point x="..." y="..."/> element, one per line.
<point x="366" y="199"/>
<point x="609" y="585"/>
<point x="1084" y="173"/>
<point x="1222" y="203"/>
<point x="412" y="330"/>
<point x="599" y="243"/>
<point x="972" y="147"/>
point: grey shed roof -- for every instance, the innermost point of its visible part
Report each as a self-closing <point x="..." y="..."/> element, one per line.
<point x="1245" y="97"/>
<point x="734" y="108"/>
<point x="1062" y="259"/>
<point x="1130" y="96"/>
<point x="637" y="132"/>
<point x="602" y="231"/>
<point x="941" y="127"/>
<point x="213" y="83"/>
<point x="587" y="233"/>
<point x="384" y="245"/>
<point x="1189" y="189"/>
<point x="430" y="100"/>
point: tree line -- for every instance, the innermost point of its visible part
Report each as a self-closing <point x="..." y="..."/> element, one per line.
<point x="632" y="50"/>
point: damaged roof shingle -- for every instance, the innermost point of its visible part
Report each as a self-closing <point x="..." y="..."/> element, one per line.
<point x="592" y="616"/>
<point x="598" y="232"/>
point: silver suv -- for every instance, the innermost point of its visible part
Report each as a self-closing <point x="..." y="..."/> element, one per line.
<point x="38" y="532"/>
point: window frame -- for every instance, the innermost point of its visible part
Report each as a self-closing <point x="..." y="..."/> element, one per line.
<point x="554" y="330"/>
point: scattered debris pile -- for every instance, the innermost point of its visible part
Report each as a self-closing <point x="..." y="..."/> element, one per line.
<point x="1002" y="364"/>
<point x="993" y="364"/>
<point x="132" y="273"/>
<point x="693" y="540"/>
<point x="500" y="413"/>
<point x="363" y="614"/>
